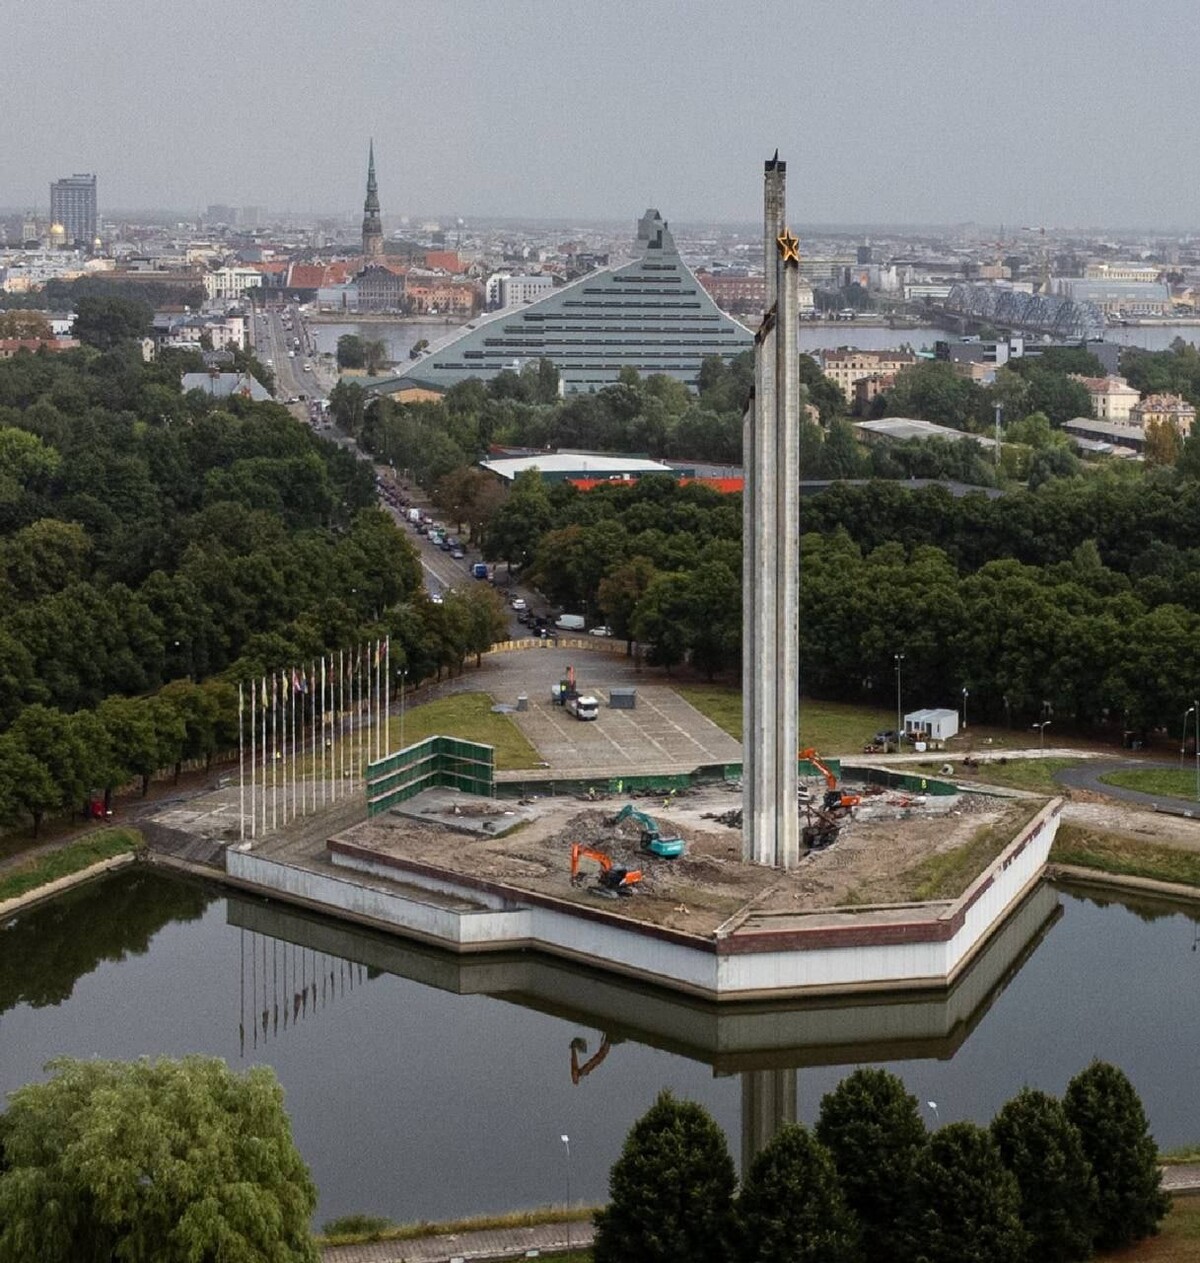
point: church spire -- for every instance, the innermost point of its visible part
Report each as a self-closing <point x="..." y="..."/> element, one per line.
<point x="372" y="228"/>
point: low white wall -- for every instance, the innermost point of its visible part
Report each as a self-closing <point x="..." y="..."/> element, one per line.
<point x="674" y="963"/>
<point x="342" y="894"/>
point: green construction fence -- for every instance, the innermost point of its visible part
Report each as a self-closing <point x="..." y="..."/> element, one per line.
<point x="436" y="762"/>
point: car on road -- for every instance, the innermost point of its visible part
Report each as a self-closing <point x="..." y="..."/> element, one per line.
<point x="436" y="598"/>
<point x="600" y="631"/>
<point x="457" y="554"/>
<point x="518" y="604"/>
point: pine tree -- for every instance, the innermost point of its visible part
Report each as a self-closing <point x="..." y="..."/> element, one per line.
<point x="964" y="1204"/>
<point x="791" y="1208"/>
<point x="1044" y="1150"/>
<point x="670" y="1191"/>
<point x="1108" y="1112"/>
<point x="873" y="1129"/>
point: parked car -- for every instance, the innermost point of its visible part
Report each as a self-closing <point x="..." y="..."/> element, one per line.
<point x="436" y="598"/>
<point x="600" y="631"/>
<point x="518" y="604"/>
<point x="457" y="553"/>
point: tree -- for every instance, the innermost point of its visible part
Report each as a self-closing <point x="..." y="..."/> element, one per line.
<point x="1044" y="1150"/>
<point x="104" y="322"/>
<point x="873" y="1129"/>
<point x="350" y="353"/>
<point x="152" y="1162"/>
<point x="964" y="1203"/>
<point x="1163" y="443"/>
<point x="375" y="355"/>
<point x="791" y="1208"/>
<point x="670" y="1190"/>
<point x="1108" y="1112"/>
<point x="24" y="324"/>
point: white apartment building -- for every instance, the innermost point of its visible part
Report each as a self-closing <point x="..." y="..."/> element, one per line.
<point x="1113" y="398"/>
<point x="231" y="282"/>
<point x="847" y="365"/>
<point x="1147" y="273"/>
<point x="506" y="290"/>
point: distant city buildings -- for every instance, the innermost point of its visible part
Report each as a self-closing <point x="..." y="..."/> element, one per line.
<point x="847" y="365"/>
<point x="1113" y="398"/>
<point x="1169" y="410"/>
<point x="651" y="315"/>
<point x="73" y="208"/>
<point x="232" y="282"/>
<point x="1118" y="298"/>
<point x="1144" y="273"/>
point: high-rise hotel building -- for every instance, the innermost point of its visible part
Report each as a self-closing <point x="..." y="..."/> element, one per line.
<point x="73" y="205"/>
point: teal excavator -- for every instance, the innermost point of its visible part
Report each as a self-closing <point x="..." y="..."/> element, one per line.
<point x="652" y="837"/>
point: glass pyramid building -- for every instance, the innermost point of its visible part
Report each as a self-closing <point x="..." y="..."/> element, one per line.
<point x="650" y="314"/>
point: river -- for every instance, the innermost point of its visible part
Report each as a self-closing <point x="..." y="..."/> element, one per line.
<point x="421" y="1085"/>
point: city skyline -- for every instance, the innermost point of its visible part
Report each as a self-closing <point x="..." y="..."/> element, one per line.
<point x="928" y="113"/>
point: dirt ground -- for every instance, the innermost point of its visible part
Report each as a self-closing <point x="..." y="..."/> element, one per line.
<point x="1091" y="811"/>
<point x="709" y="884"/>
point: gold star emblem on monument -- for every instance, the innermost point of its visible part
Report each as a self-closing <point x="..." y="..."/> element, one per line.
<point x="789" y="246"/>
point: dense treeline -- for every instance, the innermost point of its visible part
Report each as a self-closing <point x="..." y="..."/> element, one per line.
<point x="155" y="546"/>
<point x="1048" y="1182"/>
<point x="1078" y="600"/>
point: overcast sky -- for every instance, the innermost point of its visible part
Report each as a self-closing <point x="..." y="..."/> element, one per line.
<point x="1034" y="112"/>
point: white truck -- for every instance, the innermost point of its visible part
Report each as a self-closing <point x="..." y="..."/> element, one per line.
<point x="583" y="706"/>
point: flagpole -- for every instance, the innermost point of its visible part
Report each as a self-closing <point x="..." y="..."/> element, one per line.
<point x="387" y="696"/>
<point x="341" y="768"/>
<point x="324" y="738"/>
<point x="253" y="757"/>
<point x="263" y="778"/>
<point x="378" y="700"/>
<point x="241" y="767"/>
<point x="295" y="769"/>
<point x="274" y="751"/>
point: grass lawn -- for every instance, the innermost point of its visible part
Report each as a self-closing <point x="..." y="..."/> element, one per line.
<point x="1168" y="781"/>
<point x="1036" y="775"/>
<point x="70" y="859"/>
<point x="469" y="716"/>
<point x="1178" y="1242"/>
<point x="946" y="876"/>
<point x="831" y="727"/>
<point x="1112" y="853"/>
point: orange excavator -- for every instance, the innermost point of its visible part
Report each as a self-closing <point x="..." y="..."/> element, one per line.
<point x="612" y="882"/>
<point x="835" y="799"/>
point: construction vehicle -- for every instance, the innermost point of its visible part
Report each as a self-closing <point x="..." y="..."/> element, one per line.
<point x="835" y="799"/>
<point x="612" y="881"/>
<point x="822" y="829"/>
<point x="566" y="694"/>
<point x="652" y="838"/>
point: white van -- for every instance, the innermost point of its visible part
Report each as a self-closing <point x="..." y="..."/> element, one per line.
<point x="571" y="622"/>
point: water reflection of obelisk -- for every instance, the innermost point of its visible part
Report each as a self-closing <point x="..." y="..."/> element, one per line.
<point x="771" y="604"/>
<point x="771" y="555"/>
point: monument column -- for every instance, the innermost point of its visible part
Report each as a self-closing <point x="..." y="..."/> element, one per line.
<point x="770" y="630"/>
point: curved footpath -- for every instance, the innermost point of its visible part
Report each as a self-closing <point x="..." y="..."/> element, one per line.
<point x="1087" y="776"/>
<point x="493" y="1243"/>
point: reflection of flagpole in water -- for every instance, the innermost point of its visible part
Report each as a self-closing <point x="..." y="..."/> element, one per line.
<point x="275" y="986"/>
<point x="266" y="1008"/>
<point x="254" y="988"/>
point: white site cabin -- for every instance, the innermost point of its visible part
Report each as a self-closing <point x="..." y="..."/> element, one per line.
<point x="931" y="725"/>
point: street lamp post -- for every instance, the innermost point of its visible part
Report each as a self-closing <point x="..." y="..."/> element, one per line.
<point x="1196" y="708"/>
<point x="1183" y="735"/>
<point x="965" y="695"/>
<point x="937" y="1118"/>
<point x="899" y="709"/>
<point x="567" y="1145"/>
<point x="403" y="690"/>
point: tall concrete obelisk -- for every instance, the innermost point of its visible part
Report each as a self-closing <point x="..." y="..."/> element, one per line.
<point x="771" y="554"/>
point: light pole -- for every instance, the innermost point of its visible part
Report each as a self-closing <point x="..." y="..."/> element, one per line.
<point x="965" y="694"/>
<point x="403" y="690"/>
<point x="899" y="729"/>
<point x="1183" y="736"/>
<point x="1041" y="726"/>
<point x="937" y="1118"/>
<point x="567" y="1145"/>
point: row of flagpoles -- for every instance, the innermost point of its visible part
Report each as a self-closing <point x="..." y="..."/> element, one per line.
<point x="312" y="730"/>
